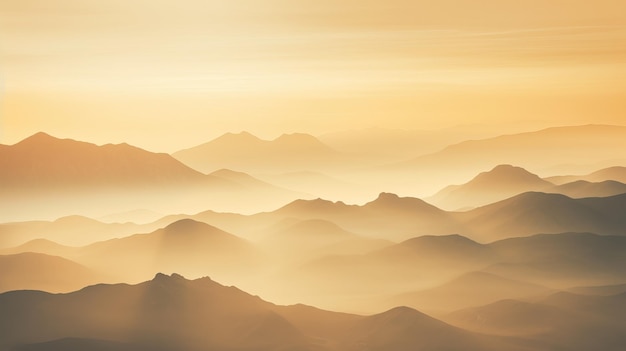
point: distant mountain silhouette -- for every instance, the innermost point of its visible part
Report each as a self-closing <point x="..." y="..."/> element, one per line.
<point x="395" y="218"/>
<point x="505" y="181"/>
<point x="42" y="161"/>
<point x="244" y="151"/>
<point x="617" y="173"/>
<point x="583" y="188"/>
<point x="500" y="183"/>
<point x="172" y="313"/>
<point x="547" y="148"/>
<point x="47" y="177"/>
<point x="70" y="230"/>
<point x="43" y="246"/>
<point x="399" y="218"/>
<point x="36" y="271"/>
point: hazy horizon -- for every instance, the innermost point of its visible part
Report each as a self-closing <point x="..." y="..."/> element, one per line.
<point x="312" y="175"/>
<point x="314" y="67"/>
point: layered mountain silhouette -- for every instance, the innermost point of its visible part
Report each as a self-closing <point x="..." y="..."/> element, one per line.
<point x="438" y="273"/>
<point x="506" y="181"/>
<point x="507" y="259"/>
<point x="49" y="177"/>
<point x="389" y="216"/>
<point x="585" y="145"/>
<point x="617" y="173"/>
<point x="246" y="152"/>
<point x="396" y="218"/>
<point x="70" y="230"/>
<point x="43" y="162"/>
<point x="172" y="313"/>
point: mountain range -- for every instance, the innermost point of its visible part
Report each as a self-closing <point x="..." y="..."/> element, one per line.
<point x="551" y="151"/>
<point x="45" y="177"/>
<point x="172" y="313"/>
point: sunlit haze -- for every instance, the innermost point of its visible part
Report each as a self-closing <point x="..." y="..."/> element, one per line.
<point x="325" y="175"/>
<point x="165" y="76"/>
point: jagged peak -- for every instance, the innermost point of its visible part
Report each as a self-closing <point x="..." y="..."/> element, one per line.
<point x="164" y="277"/>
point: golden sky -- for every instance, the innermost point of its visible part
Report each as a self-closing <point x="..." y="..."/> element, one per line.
<point x="170" y="74"/>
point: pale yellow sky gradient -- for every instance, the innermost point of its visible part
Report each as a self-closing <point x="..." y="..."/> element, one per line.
<point x="165" y="75"/>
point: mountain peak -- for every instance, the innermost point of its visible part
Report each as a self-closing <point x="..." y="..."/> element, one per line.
<point x="187" y="225"/>
<point x="387" y="196"/>
<point x="39" y="138"/>
<point x="161" y="277"/>
<point x="508" y="172"/>
<point x="402" y="314"/>
<point x="239" y="136"/>
<point x="315" y="205"/>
